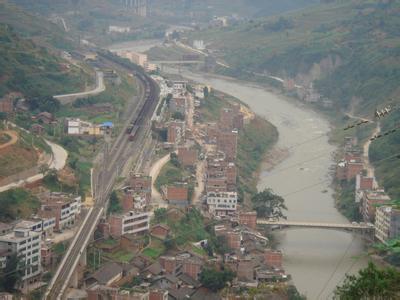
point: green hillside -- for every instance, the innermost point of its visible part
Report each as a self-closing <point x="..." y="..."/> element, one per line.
<point x="361" y="38"/>
<point x="388" y="170"/>
<point x="33" y="70"/>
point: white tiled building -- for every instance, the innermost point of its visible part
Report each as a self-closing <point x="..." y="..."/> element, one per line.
<point x="222" y="203"/>
<point x="129" y="223"/>
<point x="387" y="223"/>
<point x="26" y="244"/>
<point x="45" y="226"/>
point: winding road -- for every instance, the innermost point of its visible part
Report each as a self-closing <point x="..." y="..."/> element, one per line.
<point x="100" y="87"/>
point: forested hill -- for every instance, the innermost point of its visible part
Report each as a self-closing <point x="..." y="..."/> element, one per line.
<point x="355" y="43"/>
<point x="32" y="70"/>
<point x="30" y="50"/>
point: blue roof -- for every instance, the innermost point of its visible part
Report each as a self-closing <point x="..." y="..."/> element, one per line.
<point x="107" y="124"/>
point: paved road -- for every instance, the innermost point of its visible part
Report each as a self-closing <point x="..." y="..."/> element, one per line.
<point x="60" y="156"/>
<point x="58" y="161"/>
<point x="100" y="87"/>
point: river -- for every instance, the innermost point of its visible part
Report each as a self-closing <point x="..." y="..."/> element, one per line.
<point x="317" y="259"/>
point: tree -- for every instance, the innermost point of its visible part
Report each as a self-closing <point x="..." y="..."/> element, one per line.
<point x="12" y="273"/>
<point x="268" y="205"/>
<point x="160" y="215"/>
<point x="370" y="283"/>
<point x="215" y="280"/>
<point x="206" y="92"/>
<point x="169" y="243"/>
<point x="175" y="160"/>
<point x="115" y="206"/>
<point x="3" y="116"/>
<point x="178" y="116"/>
<point x="49" y="104"/>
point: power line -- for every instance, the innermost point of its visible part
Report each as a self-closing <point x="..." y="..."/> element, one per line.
<point x="336" y="267"/>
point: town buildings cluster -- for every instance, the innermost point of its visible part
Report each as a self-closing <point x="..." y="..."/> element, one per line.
<point x="375" y="206"/>
<point x="31" y="239"/>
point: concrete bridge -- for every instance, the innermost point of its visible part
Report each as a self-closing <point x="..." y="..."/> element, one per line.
<point x="363" y="227"/>
<point x="177" y="62"/>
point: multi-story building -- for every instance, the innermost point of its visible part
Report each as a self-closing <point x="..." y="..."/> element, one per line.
<point x="134" y="222"/>
<point x="273" y="258"/>
<point x="26" y="244"/>
<point x="233" y="239"/>
<point x="176" y="132"/>
<point x="227" y="143"/>
<point x="140" y="183"/>
<point x="178" y="104"/>
<point x="177" y="195"/>
<point x="370" y="201"/>
<point x="64" y="208"/>
<point x="45" y="226"/>
<point x="179" y="86"/>
<point x="231" y="118"/>
<point x="248" y="219"/>
<point x="387" y="223"/>
<point x="80" y="127"/>
<point x="222" y="203"/>
<point x="363" y="183"/>
<point x="6" y="105"/>
<point x="187" y="157"/>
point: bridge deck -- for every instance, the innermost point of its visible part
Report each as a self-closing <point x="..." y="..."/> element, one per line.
<point x="315" y="224"/>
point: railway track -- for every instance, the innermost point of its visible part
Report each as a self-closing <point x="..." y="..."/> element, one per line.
<point x="123" y="146"/>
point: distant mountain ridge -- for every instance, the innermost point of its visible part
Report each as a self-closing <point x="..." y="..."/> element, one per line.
<point x="361" y="38"/>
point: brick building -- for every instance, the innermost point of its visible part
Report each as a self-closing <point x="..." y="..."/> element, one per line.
<point x="233" y="240"/>
<point x="140" y="183"/>
<point x="363" y="184"/>
<point x="231" y="118"/>
<point x="64" y="207"/>
<point x="248" y="219"/>
<point x="370" y="201"/>
<point x="160" y="230"/>
<point x="178" y="104"/>
<point x="273" y="258"/>
<point x="158" y="295"/>
<point x="211" y="133"/>
<point x="348" y="170"/>
<point x="176" y="132"/>
<point x="227" y="143"/>
<point x="187" y="157"/>
<point x="245" y="270"/>
<point x="6" y="104"/>
<point x="177" y="195"/>
<point x="131" y="222"/>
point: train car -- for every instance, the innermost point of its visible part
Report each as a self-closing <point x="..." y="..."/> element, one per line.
<point x="133" y="133"/>
<point x="129" y="129"/>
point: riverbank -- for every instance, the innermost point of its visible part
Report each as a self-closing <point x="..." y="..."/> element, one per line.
<point x="255" y="141"/>
<point x="303" y="179"/>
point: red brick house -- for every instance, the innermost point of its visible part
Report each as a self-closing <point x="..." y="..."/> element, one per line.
<point x="160" y="230"/>
<point x="273" y="258"/>
<point x="177" y="195"/>
<point x="248" y="219"/>
<point x="6" y="105"/>
<point x="227" y="143"/>
<point x="187" y="157"/>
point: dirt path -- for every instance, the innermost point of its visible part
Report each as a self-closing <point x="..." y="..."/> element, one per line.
<point x="367" y="164"/>
<point x="155" y="170"/>
<point x="200" y="170"/>
<point x="14" y="138"/>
